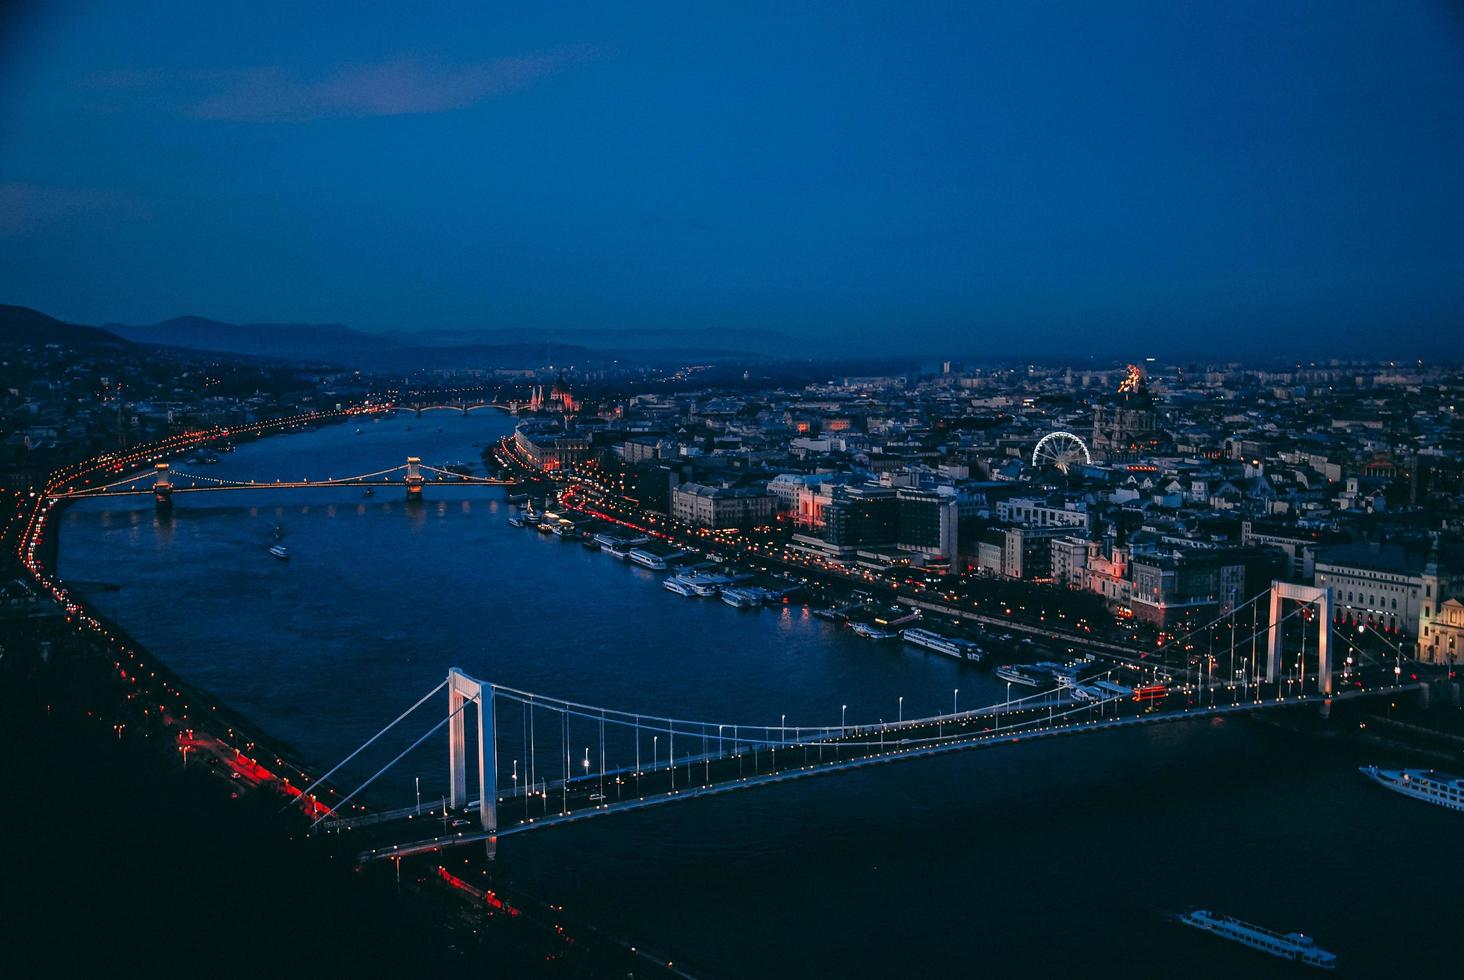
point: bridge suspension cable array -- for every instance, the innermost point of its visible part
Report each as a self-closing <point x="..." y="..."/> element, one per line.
<point x="162" y="482"/>
<point x="544" y="761"/>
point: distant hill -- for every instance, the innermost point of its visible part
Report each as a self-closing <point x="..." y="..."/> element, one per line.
<point x="23" y="325"/>
<point x="406" y="351"/>
<point x="289" y="341"/>
<point x="767" y="343"/>
<point x="334" y="343"/>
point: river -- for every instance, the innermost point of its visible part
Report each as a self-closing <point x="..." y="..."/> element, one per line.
<point x="1032" y="860"/>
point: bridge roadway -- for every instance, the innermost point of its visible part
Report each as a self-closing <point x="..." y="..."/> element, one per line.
<point x="136" y="485"/>
<point x="714" y="771"/>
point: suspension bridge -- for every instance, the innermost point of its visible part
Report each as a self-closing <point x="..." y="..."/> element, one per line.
<point x="163" y="482"/>
<point x="544" y="761"/>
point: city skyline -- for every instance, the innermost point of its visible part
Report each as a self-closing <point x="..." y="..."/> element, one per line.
<point x="1001" y="180"/>
<point x="779" y="490"/>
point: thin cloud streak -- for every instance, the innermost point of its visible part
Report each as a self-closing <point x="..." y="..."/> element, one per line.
<point x="402" y="86"/>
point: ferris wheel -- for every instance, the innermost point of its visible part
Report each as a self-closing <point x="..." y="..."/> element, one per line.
<point x="1062" y="450"/>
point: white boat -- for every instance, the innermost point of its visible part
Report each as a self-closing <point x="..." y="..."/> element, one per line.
<point x="678" y="585"/>
<point x="704" y="583"/>
<point x="647" y="558"/>
<point x="742" y="598"/>
<point x="280" y="552"/>
<point x="873" y="632"/>
<point x="1100" y="691"/>
<point x="1291" y="946"/>
<point x="1018" y="675"/>
<point x="517" y="521"/>
<point x="1439" y="788"/>
<point x="950" y="646"/>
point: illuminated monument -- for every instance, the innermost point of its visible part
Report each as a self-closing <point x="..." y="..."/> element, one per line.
<point x="1127" y="425"/>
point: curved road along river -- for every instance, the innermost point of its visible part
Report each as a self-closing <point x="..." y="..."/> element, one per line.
<point x="1028" y="861"/>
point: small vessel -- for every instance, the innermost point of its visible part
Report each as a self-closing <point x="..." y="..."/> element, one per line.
<point x="518" y="521"/>
<point x="678" y="585"/>
<point x="1018" y="675"/>
<point x="950" y="646"/>
<point x="518" y="498"/>
<point x="280" y="552"/>
<point x="1439" y="788"/>
<point x="705" y="583"/>
<point x="1064" y="674"/>
<point x="370" y="492"/>
<point x="742" y="598"/>
<point x="279" y="532"/>
<point x="1100" y="691"/>
<point x="1291" y="946"/>
<point x="873" y="632"/>
<point x="617" y="546"/>
<point x="358" y="432"/>
<point x="647" y="558"/>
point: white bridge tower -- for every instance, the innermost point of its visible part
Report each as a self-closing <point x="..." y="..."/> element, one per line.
<point x="460" y="690"/>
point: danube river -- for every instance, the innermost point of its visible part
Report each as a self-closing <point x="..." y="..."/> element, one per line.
<point x="1051" y="858"/>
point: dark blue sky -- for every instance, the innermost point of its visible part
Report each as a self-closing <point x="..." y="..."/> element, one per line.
<point x="1016" y="176"/>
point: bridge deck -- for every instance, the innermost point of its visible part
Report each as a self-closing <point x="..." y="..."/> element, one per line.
<point x="577" y="800"/>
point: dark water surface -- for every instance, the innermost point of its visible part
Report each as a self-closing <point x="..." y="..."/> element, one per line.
<point x="1035" y="860"/>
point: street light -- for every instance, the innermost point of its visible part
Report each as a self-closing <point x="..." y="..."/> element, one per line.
<point x="901" y="719"/>
<point x="843" y="713"/>
<point x="954" y="694"/>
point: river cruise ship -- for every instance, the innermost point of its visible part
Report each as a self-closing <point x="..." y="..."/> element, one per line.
<point x="678" y="585"/>
<point x="1438" y="788"/>
<point x="1291" y="946"/>
<point x="742" y="598"/>
<point x="1019" y="675"/>
<point x="652" y="559"/>
<point x="948" y="645"/>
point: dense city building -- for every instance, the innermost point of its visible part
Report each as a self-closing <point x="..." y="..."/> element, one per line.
<point x="721" y="507"/>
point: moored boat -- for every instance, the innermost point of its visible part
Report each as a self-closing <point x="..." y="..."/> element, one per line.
<point x="678" y="585"/>
<point x="280" y="552"/>
<point x="948" y="645"/>
<point x="657" y="560"/>
<point x="742" y="598"/>
<point x="1019" y="675"/>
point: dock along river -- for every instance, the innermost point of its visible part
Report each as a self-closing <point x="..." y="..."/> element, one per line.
<point x="1054" y="858"/>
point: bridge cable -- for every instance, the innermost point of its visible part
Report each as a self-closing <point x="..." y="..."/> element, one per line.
<point x="373" y="738"/>
<point x="428" y="734"/>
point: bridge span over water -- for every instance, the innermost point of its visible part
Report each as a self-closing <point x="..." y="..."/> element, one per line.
<point x="544" y="761"/>
<point x="163" y="482"/>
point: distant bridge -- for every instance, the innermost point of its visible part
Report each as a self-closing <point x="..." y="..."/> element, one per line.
<point x="163" y="482"/>
<point x="458" y="406"/>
